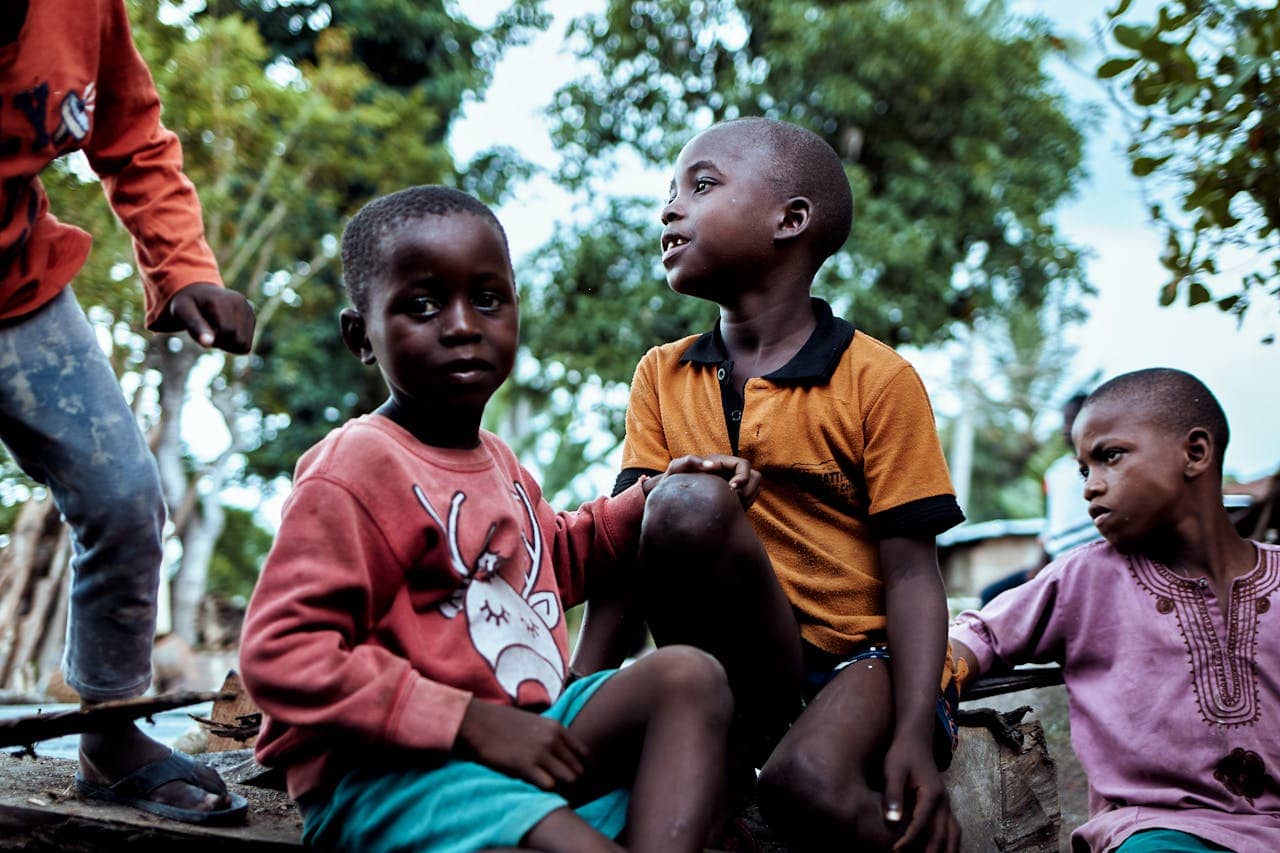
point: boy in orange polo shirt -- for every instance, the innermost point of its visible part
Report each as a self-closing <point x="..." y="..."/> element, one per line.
<point x="837" y="566"/>
<point x="71" y="79"/>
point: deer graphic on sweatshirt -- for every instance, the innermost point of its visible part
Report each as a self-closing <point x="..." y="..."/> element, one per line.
<point x="510" y="628"/>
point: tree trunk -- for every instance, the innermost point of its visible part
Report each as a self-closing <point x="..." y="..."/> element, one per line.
<point x="33" y="577"/>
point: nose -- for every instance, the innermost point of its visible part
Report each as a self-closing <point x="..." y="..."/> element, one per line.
<point x="1093" y="486"/>
<point x="670" y="211"/>
<point x="459" y="322"/>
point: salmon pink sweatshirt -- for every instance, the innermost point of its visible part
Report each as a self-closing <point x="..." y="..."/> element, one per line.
<point x="406" y="580"/>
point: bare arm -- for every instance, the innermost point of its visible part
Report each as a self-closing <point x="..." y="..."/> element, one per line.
<point x="916" y="606"/>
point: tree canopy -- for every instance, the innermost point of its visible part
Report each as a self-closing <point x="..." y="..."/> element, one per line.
<point x="1202" y="84"/>
<point x="956" y="142"/>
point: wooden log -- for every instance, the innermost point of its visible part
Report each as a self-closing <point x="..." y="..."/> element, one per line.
<point x="24" y="731"/>
<point x="234" y="722"/>
<point x="1012" y="681"/>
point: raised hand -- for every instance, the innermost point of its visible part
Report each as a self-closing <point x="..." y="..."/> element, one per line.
<point x="214" y="316"/>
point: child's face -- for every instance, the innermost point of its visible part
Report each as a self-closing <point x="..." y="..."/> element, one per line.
<point x="1133" y="471"/>
<point x="720" y="217"/>
<point x="442" y="322"/>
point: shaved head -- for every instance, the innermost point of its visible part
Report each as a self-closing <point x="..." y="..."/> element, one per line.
<point x="1171" y="400"/>
<point x="801" y="163"/>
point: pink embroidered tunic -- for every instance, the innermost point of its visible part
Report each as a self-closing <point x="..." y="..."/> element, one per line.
<point x="1174" y="699"/>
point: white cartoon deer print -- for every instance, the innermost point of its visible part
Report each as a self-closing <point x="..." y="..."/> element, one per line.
<point x="510" y="629"/>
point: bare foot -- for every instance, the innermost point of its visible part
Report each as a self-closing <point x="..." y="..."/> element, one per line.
<point x="108" y="757"/>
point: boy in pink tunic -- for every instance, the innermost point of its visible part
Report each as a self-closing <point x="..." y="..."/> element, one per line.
<point x="1165" y="631"/>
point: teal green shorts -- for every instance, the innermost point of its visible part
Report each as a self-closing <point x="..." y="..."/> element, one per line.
<point x="1167" y="841"/>
<point x="457" y="806"/>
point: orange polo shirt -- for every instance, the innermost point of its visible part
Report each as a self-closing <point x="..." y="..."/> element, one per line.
<point x="845" y="439"/>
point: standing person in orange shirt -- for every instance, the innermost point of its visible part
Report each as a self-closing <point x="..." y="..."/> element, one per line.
<point x="71" y="79"/>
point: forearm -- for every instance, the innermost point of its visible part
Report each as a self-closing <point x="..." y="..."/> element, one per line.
<point x="916" y="610"/>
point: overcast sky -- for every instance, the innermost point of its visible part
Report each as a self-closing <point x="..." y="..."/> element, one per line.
<point x="1126" y="331"/>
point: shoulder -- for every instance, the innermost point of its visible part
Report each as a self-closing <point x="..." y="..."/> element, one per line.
<point x="668" y="355"/>
<point x="874" y="367"/>
<point x="1090" y="567"/>
<point x="349" y="452"/>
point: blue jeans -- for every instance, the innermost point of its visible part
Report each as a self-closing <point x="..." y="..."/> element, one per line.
<point x="63" y="418"/>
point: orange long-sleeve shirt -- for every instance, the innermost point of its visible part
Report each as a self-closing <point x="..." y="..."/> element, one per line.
<point x="74" y="80"/>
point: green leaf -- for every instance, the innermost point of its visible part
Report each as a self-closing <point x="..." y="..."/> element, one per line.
<point x="1130" y="36"/>
<point x="1120" y="9"/>
<point x="1112" y="67"/>
<point x="1198" y="294"/>
<point x="1168" y="293"/>
<point x="1143" y="166"/>
<point x="1226" y="303"/>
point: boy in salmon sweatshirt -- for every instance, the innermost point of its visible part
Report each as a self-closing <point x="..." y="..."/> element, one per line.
<point x="407" y="640"/>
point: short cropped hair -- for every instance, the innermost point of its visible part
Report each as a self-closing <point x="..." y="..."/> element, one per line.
<point x="1173" y="399"/>
<point x="364" y="237"/>
<point x="802" y="163"/>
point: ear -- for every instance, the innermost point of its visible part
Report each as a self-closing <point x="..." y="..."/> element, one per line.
<point x="1199" y="452"/>
<point x="353" y="335"/>
<point x="796" y="216"/>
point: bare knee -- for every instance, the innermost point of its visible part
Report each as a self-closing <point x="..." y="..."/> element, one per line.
<point x="689" y="511"/>
<point x="692" y="678"/>
<point x="801" y="792"/>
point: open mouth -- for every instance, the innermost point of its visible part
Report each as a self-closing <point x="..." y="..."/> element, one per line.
<point x="671" y="243"/>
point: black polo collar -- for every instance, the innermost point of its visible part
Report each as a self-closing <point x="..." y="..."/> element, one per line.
<point x="815" y="362"/>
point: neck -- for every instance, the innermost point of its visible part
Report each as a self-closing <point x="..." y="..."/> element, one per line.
<point x="460" y="431"/>
<point x="763" y="325"/>
<point x="1205" y="544"/>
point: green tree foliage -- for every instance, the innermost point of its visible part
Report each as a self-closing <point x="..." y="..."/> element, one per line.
<point x="283" y="147"/>
<point x="238" y="556"/>
<point x="1203" y="84"/>
<point x="956" y="143"/>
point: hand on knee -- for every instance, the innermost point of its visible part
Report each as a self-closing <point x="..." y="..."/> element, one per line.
<point x="689" y="511"/>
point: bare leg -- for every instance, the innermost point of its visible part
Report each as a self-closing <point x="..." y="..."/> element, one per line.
<point x="563" y="830"/>
<point x="660" y="725"/>
<point x="612" y="625"/>
<point x="709" y="584"/>
<point x="825" y="782"/>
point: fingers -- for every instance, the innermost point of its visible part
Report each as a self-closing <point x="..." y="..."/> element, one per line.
<point x="187" y="311"/>
<point x="215" y="316"/>
<point x="893" y="782"/>
<point x="922" y="817"/>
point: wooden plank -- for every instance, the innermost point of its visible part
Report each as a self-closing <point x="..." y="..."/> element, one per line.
<point x="23" y="731"/>
<point x="1012" y="681"/>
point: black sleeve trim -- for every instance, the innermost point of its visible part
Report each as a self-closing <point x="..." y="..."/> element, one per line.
<point x="628" y="477"/>
<point x="925" y="517"/>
